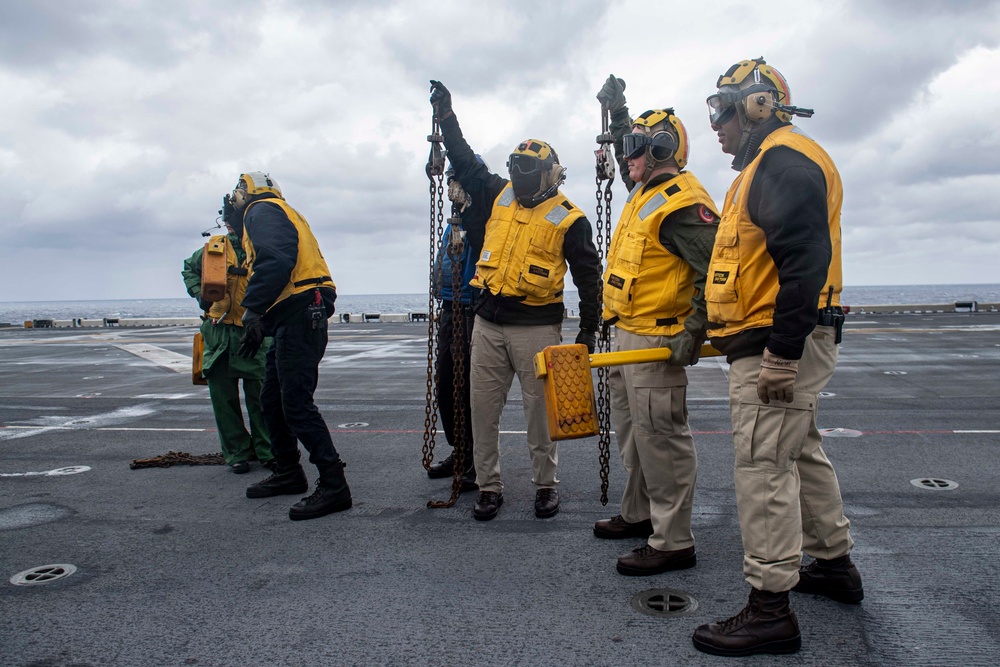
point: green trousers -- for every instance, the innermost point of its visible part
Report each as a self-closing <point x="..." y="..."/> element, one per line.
<point x="237" y="444"/>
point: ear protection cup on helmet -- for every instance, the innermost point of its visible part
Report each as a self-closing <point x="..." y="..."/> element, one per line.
<point x="754" y="79"/>
<point x="663" y="146"/>
<point x="667" y="135"/>
<point x="759" y="106"/>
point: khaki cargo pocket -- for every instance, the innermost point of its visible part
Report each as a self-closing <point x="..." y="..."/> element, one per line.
<point x="771" y="436"/>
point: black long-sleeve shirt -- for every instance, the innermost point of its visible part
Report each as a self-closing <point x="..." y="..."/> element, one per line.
<point x="276" y="249"/>
<point x="787" y="200"/>
<point x="578" y="245"/>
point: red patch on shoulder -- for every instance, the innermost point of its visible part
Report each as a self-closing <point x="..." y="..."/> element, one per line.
<point x="705" y="213"/>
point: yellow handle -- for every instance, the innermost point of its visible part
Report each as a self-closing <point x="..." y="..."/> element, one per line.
<point x="625" y="357"/>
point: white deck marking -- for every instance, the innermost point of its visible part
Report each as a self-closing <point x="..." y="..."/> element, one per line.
<point x="180" y="363"/>
<point x="69" y="470"/>
<point x="83" y="422"/>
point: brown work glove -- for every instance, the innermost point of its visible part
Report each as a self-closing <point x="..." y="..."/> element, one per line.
<point x="777" y="377"/>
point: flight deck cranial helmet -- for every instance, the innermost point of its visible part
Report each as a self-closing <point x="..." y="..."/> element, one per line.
<point x="535" y="172"/>
<point x="660" y="136"/>
<point x="252" y="184"/>
<point x="754" y="90"/>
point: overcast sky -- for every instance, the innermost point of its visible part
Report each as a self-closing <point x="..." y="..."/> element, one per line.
<point x="124" y="123"/>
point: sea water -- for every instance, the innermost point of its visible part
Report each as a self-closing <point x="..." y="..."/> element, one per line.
<point x="16" y="312"/>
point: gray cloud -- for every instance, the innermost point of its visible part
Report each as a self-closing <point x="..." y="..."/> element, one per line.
<point x="124" y="125"/>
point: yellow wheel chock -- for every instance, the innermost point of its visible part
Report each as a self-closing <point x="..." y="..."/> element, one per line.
<point x="569" y="387"/>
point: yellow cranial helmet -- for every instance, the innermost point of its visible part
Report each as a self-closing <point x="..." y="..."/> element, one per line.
<point x="254" y="183"/>
<point x="532" y="154"/>
<point x="662" y="137"/>
<point x="761" y="88"/>
<point x="535" y="172"/>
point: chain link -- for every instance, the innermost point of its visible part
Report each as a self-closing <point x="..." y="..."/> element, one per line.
<point x="455" y="249"/>
<point x="605" y="172"/>
<point x="435" y="172"/>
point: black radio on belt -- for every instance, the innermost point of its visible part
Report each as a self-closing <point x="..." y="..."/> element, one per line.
<point x="832" y="316"/>
<point x="316" y="312"/>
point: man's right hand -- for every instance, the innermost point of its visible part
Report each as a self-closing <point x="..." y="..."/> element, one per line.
<point x="612" y="94"/>
<point x="253" y="335"/>
<point x="777" y="378"/>
<point x="440" y="100"/>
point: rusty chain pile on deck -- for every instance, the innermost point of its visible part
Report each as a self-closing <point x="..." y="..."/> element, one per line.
<point x="178" y="459"/>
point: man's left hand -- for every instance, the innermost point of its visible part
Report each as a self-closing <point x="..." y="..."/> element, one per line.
<point x="253" y="335"/>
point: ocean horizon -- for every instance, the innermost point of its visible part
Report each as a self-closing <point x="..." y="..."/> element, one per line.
<point x="15" y="312"/>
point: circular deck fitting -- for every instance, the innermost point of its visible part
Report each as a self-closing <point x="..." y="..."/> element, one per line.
<point x="664" y="602"/>
<point x="840" y="433"/>
<point x="353" y="425"/>
<point x="42" y="574"/>
<point x="934" y="484"/>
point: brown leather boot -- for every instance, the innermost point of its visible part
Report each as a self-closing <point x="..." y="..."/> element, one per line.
<point x="837" y="579"/>
<point x="765" y="625"/>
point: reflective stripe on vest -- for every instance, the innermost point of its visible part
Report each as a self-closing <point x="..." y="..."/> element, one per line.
<point x="647" y="287"/>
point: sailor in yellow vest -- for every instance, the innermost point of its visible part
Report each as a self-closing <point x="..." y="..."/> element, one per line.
<point x="773" y="294"/>
<point x="290" y="296"/>
<point x="654" y="294"/>
<point x="223" y="368"/>
<point x="532" y="233"/>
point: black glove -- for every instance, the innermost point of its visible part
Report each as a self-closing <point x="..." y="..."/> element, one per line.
<point x="588" y="338"/>
<point x="204" y="304"/>
<point x="440" y="100"/>
<point x="612" y="94"/>
<point x="253" y="335"/>
<point x="683" y="350"/>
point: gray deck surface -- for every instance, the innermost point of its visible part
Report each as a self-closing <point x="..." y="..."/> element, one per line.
<point x="177" y="567"/>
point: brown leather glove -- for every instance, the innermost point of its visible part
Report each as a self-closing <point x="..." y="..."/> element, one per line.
<point x="777" y="377"/>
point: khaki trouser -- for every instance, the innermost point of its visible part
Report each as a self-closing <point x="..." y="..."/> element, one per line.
<point x="649" y="410"/>
<point x="498" y="353"/>
<point x="786" y="490"/>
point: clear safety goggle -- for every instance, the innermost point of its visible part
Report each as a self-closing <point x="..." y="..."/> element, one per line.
<point x="523" y="163"/>
<point x="722" y="106"/>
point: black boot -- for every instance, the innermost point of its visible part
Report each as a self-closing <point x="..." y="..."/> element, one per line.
<point x="287" y="479"/>
<point x="837" y="579"/>
<point x="331" y="495"/>
<point x="442" y="468"/>
<point x="766" y="625"/>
